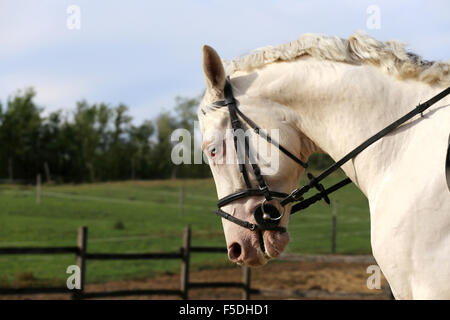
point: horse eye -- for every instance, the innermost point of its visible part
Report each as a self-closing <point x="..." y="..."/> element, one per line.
<point x="213" y="152"/>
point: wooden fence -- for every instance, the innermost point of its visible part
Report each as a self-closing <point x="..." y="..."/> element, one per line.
<point x="184" y="254"/>
<point x="82" y="255"/>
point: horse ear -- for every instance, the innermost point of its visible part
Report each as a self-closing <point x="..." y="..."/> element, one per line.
<point x="213" y="69"/>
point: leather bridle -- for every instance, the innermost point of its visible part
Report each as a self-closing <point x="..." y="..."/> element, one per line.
<point x="267" y="216"/>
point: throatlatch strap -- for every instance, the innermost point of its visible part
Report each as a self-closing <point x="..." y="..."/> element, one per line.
<point x="269" y="139"/>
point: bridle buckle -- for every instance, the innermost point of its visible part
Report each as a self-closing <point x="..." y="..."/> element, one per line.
<point x="297" y="194"/>
<point x="319" y="187"/>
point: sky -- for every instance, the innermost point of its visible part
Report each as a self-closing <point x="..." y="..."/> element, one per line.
<point x="145" y="53"/>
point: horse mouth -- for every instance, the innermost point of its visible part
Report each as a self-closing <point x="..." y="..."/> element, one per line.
<point x="272" y="243"/>
<point x="262" y="245"/>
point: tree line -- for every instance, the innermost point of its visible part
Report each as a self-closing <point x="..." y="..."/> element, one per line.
<point x="95" y="142"/>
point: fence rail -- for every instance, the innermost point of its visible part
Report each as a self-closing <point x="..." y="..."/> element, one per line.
<point x="47" y="250"/>
<point x="186" y="285"/>
<point x="82" y="256"/>
<point x="208" y="249"/>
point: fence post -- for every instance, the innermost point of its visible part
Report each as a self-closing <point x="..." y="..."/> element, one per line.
<point x="333" y="227"/>
<point x="246" y="275"/>
<point x="38" y="188"/>
<point x="81" y="260"/>
<point x="184" y="286"/>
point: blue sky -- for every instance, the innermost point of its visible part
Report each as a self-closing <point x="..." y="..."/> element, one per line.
<point x="145" y="53"/>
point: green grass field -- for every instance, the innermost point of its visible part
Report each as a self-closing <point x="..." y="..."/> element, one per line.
<point x="144" y="216"/>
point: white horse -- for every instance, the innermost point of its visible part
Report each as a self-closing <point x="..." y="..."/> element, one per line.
<point x="326" y="94"/>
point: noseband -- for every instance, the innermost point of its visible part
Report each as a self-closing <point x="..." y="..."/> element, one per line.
<point x="267" y="216"/>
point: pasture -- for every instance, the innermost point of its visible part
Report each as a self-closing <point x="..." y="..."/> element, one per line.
<point x="144" y="216"/>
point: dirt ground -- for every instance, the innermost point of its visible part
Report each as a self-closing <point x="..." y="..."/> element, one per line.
<point x="335" y="280"/>
<point x="338" y="279"/>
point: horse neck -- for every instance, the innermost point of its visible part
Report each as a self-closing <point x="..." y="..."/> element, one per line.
<point x="341" y="105"/>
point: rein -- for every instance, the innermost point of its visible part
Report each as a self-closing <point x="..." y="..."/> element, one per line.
<point x="267" y="216"/>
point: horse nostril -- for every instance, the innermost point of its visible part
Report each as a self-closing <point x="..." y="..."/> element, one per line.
<point x="234" y="251"/>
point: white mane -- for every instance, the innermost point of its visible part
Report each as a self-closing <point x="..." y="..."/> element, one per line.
<point x="359" y="48"/>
